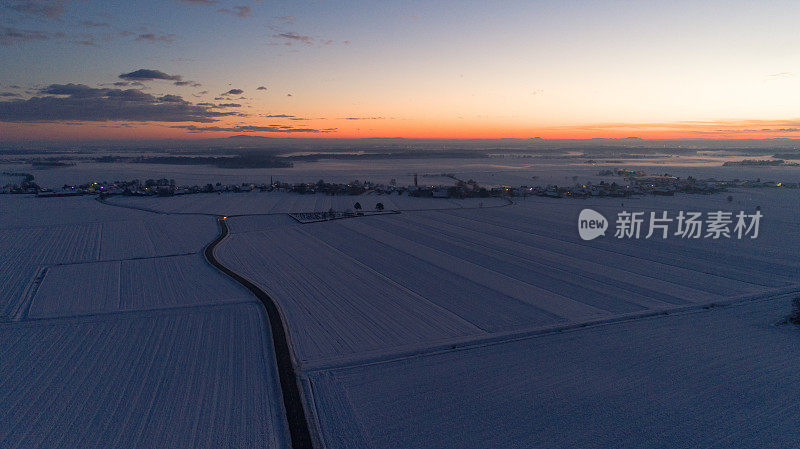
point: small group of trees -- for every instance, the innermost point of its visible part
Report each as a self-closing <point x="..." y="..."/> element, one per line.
<point x="357" y="207"/>
<point x="378" y="207"/>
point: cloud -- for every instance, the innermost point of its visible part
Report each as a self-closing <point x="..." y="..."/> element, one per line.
<point x="291" y="38"/>
<point x="754" y="130"/>
<point x="261" y="88"/>
<point x="238" y="11"/>
<point x="90" y="24"/>
<point x="362" y="118"/>
<point x="8" y="94"/>
<point x="169" y="98"/>
<point x="294" y="37"/>
<point x="187" y="83"/>
<point x="228" y="105"/>
<point x="716" y="128"/>
<point x="233" y="92"/>
<point x="286" y="116"/>
<point x="200" y="2"/>
<point x="74" y="90"/>
<point x="49" y="9"/>
<point x="253" y="129"/>
<point x="289" y="95"/>
<point x="151" y="37"/>
<point x="78" y="102"/>
<point x="149" y="75"/>
<point x="123" y="84"/>
<point x="13" y="36"/>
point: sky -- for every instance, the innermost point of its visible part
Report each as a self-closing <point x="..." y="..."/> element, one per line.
<point x="87" y="69"/>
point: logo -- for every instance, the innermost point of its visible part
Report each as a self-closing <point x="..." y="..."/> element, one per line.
<point x="689" y="225"/>
<point x="715" y="225"/>
<point x="591" y="224"/>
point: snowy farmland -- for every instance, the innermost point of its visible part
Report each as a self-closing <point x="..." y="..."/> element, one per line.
<point x="115" y="332"/>
<point x="724" y="377"/>
<point x="286" y="202"/>
<point x="193" y="378"/>
<point x="373" y="286"/>
<point x="134" y="284"/>
<point x="457" y="324"/>
<point x="657" y="365"/>
<point x="43" y="235"/>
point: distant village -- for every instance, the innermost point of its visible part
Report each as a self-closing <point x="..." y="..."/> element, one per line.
<point x="623" y="183"/>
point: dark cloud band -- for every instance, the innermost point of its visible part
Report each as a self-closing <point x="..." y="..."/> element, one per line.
<point x="149" y="75"/>
<point x="78" y="102"/>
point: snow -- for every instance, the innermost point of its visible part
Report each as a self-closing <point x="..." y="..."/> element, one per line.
<point x="722" y="377"/>
<point x="16" y="284"/>
<point x="380" y="285"/>
<point x="202" y="378"/>
<point x="80" y="229"/>
<point x="52" y="244"/>
<point x="115" y="332"/>
<point x="25" y="211"/>
<point x="48" y="233"/>
<point x="333" y="307"/>
<point x="159" y="235"/>
<point x="257" y="202"/>
<point x="447" y="325"/>
<point x="138" y="284"/>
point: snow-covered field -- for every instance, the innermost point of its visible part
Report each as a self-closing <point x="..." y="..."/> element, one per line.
<point x="452" y="324"/>
<point x="375" y="286"/>
<point x="137" y="284"/>
<point x="723" y="377"/>
<point x="26" y="211"/>
<point x="115" y="332"/>
<point x="334" y="305"/>
<point x="287" y="202"/>
<point x="183" y="378"/>
<point x="71" y="240"/>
